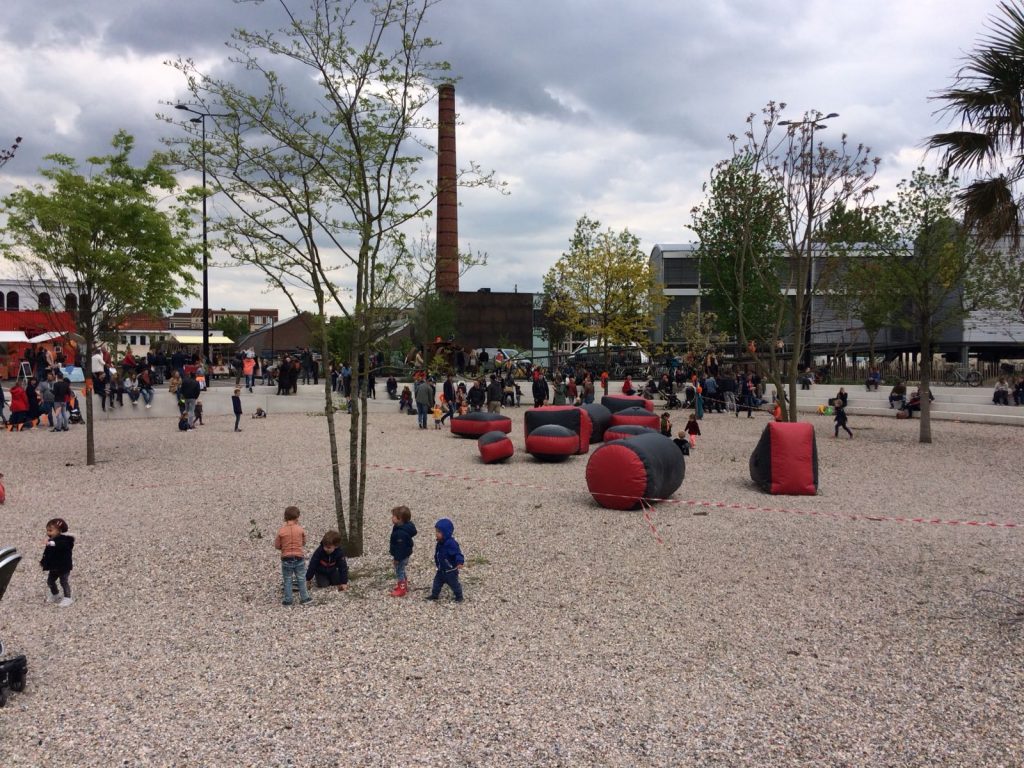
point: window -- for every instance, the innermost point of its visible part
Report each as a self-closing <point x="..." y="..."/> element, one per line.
<point x="681" y="273"/>
<point x="142" y="340"/>
<point x="13" y="301"/>
<point x="1" y="301"/>
<point x="71" y="303"/>
<point x="44" y="301"/>
<point x="124" y="339"/>
<point x="132" y="342"/>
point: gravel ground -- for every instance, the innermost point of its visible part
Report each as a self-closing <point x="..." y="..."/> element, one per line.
<point x="748" y="637"/>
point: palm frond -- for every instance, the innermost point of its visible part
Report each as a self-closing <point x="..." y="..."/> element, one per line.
<point x="964" y="149"/>
<point x="990" y="209"/>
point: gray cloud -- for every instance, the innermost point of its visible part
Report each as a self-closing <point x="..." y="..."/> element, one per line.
<point x="585" y="106"/>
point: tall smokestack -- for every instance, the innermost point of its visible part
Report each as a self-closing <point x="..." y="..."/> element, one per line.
<point x="447" y="265"/>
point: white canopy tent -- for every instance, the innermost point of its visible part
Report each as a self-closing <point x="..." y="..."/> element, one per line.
<point x="13" y="337"/>
<point x="197" y="338"/>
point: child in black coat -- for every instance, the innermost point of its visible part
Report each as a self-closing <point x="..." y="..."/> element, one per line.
<point x="327" y="565"/>
<point x="57" y="561"/>
<point x="402" y="532"/>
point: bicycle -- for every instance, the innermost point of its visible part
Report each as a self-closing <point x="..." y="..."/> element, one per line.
<point x="956" y="376"/>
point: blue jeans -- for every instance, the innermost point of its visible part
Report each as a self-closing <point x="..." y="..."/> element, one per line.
<point x="60" y="416"/>
<point x="294" y="568"/>
<point x="421" y="415"/>
<point x="190" y="405"/>
<point x="147" y="395"/>
<point x="249" y="381"/>
<point x="400" y="566"/>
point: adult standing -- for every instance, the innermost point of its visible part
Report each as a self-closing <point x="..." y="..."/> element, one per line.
<point x="61" y="390"/>
<point x="190" y="393"/>
<point x="98" y="370"/>
<point x="449" y="395"/>
<point x="540" y="388"/>
<point x="45" y="391"/>
<point x="425" y="396"/>
<point x="346" y="379"/>
<point x="248" y="367"/>
<point x="588" y="389"/>
<point x="495" y="391"/>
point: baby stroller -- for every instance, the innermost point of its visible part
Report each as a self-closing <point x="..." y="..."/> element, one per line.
<point x="13" y="670"/>
<point x="74" y="412"/>
<point x="671" y="399"/>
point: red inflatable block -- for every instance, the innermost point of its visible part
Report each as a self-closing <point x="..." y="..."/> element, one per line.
<point x="575" y="419"/>
<point x="785" y="461"/>
<point x="617" y="402"/>
<point x="622" y="473"/>
<point x="636" y="416"/>
<point x="476" y="423"/>
<point x="552" y="442"/>
<point x="626" y="431"/>
<point x="495" y="446"/>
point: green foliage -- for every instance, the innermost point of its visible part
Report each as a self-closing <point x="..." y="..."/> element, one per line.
<point x="232" y="327"/>
<point x="106" y="237"/>
<point x="934" y="268"/>
<point x="434" y="316"/>
<point x="603" y="287"/>
<point x="987" y="100"/>
<point x="739" y="227"/>
<point x="699" y="331"/>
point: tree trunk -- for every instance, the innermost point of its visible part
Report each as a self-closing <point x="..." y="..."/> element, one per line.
<point x="339" y="502"/>
<point x="86" y="327"/>
<point x="925" y="386"/>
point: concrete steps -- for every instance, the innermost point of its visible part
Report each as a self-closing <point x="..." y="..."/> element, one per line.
<point x="951" y="403"/>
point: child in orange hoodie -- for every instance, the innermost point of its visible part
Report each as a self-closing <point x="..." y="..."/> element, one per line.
<point x="291" y="540"/>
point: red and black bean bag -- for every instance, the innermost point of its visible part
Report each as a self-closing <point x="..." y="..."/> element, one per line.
<point x="494" y="446"/>
<point x="600" y="418"/>
<point x="476" y="423"/>
<point x="623" y="472"/>
<point x="626" y="431"/>
<point x="617" y="402"/>
<point x="568" y="416"/>
<point x="552" y="442"/>
<point x="636" y="416"/>
<point x="785" y="461"/>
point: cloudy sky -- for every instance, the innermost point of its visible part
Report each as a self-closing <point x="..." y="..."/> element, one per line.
<point x="616" y="110"/>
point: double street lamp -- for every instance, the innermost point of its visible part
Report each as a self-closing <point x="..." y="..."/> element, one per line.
<point x="805" y="287"/>
<point x="200" y="118"/>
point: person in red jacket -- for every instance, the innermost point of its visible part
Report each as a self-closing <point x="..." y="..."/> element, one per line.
<point x="19" y="408"/>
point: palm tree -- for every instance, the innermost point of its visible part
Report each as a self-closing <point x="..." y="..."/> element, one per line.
<point x="988" y="99"/>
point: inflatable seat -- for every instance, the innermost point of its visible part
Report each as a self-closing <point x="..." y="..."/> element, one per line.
<point x="552" y="442"/>
<point x="476" y="423"/>
<point x="494" y="446"/>
<point x="623" y="472"/>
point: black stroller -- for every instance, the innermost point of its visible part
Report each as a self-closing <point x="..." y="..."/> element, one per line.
<point x="13" y="670"/>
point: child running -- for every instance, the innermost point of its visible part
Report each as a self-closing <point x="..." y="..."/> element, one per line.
<point x="840" y="418"/>
<point x="327" y="565"/>
<point x="57" y="561"/>
<point x="291" y="540"/>
<point x="402" y="532"/>
<point x="693" y="429"/>
<point x="448" y="559"/>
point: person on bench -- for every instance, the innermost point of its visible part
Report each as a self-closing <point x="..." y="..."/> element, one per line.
<point x="874" y="379"/>
<point x="898" y="395"/>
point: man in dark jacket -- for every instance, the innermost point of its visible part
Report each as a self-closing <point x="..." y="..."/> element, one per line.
<point x="449" y="397"/>
<point x="424" y="397"/>
<point x="495" y="390"/>
<point x="476" y="396"/>
<point x="540" y="390"/>
<point x="189" y="392"/>
<point x="61" y="389"/>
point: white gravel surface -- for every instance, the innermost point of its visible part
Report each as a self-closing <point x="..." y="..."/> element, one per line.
<point x="749" y="637"/>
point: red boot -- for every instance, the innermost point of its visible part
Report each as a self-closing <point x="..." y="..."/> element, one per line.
<point x="401" y="589"/>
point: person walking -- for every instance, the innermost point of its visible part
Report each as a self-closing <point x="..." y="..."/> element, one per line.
<point x="425" y="396"/>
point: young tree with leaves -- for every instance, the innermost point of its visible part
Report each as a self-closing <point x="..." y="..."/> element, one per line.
<point x="321" y="190"/>
<point x="937" y="270"/>
<point x="811" y="180"/>
<point x="106" y="238"/>
<point x="233" y="327"/>
<point x="603" y="286"/>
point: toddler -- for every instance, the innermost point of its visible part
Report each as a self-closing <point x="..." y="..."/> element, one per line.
<point x="402" y="532"/>
<point x="682" y="442"/>
<point x="183" y="422"/>
<point x="448" y="559"/>
<point x="236" y="405"/>
<point x="693" y="429"/>
<point x="438" y="416"/>
<point x="327" y="564"/>
<point x="57" y="561"/>
<point x="291" y="540"/>
<point x="199" y="413"/>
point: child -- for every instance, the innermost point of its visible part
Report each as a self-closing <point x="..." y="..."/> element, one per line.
<point x="682" y="442"/>
<point x="402" y="532"/>
<point x="183" y="422"/>
<point x="236" y="404"/>
<point x="57" y="561"/>
<point x="290" y="540"/>
<point x="840" y="409"/>
<point x="666" y="425"/>
<point x="199" y="413"/>
<point x="448" y="559"/>
<point x="437" y="416"/>
<point x="693" y="429"/>
<point x="327" y="564"/>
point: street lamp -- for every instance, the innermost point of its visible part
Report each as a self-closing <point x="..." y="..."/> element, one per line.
<point x="200" y="118"/>
<point x="804" y="288"/>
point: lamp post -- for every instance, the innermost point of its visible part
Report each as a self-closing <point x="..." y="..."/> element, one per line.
<point x="200" y="118"/>
<point x="804" y="287"/>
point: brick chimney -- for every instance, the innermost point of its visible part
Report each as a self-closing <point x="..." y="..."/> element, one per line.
<point x="447" y="264"/>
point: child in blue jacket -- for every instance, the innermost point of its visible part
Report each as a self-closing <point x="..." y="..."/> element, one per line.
<point x="448" y="559"/>
<point x="402" y="532"/>
<point x="327" y="566"/>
